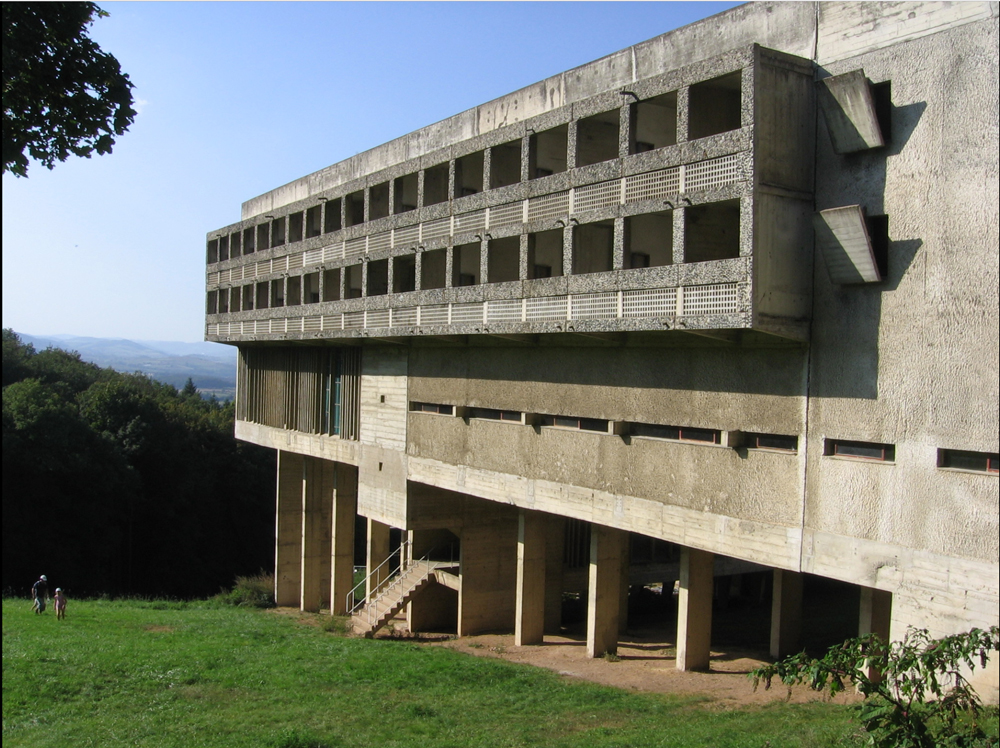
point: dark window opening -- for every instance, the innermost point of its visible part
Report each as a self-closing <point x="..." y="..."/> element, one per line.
<point x="263" y="236"/>
<point x="469" y="174"/>
<point x="404" y="273"/>
<point x="331" y="284"/>
<point x="212" y="302"/>
<point x="593" y="247"/>
<point x="436" y="184"/>
<point x="278" y="292"/>
<point x="677" y="433"/>
<point x="446" y="410"/>
<point x="378" y="277"/>
<point x="715" y="106"/>
<point x="574" y="422"/>
<point x="294" y="297"/>
<point x="354" y="205"/>
<point x="649" y="240"/>
<point x="654" y="123"/>
<point x="978" y="462"/>
<point x="234" y="244"/>
<point x="234" y="299"/>
<point x="505" y="164"/>
<point x="465" y="264"/>
<point x="212" y="250"/>
<point x="771" y="442"/>
<point x="378" y="201"/>
<point x="492" y="414"/>
<point x="405" y="198"/>
<point x="248" y="297"/>
<point x="433" y="268"/>
<point x="597" y="138"/>
<point x="248" y="243"/>
<point x="295" y="227"/>
<point x="314" y="225"/>
<point x="504" y="257"/>
<point x="352" y="281"/>
<point x="262" y="295"/>
<point x="548" y="152"/>
<point x="860" y="450"/>
<point x="545" y="254"/>
<point x="223" y="300"/>
<point x="331" y="216"/>
<point x="278" y="232"/>
<point x="712" y="232"/>
<point x="223" y="248"/>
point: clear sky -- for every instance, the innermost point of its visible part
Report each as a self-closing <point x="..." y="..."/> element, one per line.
<point x="237" y="98"/>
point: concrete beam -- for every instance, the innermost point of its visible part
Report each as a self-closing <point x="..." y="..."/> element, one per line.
<point x="786" y="613"/>
<point x="288" y="531"/>
<point x="529" y="618"/>
<point x="604" y="589"/>
<point x="694" y="610"/>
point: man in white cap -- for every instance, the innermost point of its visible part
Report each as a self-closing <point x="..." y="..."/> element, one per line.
<point x="39" y="592"/>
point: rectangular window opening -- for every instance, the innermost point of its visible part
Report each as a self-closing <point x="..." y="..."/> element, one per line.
<point x="378" y="277"/>
<point x="649" y="240"/>
<point x="278" y="232"/>
<point x="465" y="265"/>
<point x="277" y="292"/>
<point x="548" y="152"/>
<point x="504" y="256"/>
<point x="263" y="292"/>
<point x="976" y="462"/>
<point x="223" y="248"/>
<point x="314" y="218"/>
<point x="436" y="184"/>
<point x="445" y="410"/>
<point x="234" y="244"/>
<point x="597" y="138"/>
<point x="352" y="281"/>
<point x="593" y="247"/>
<point x="223" y="300"/>
<point x="676" y="433"/>
<point x="212" y="302"/>
<point x="248" y="241"/>
<point x="294" y="290"/>
<point x="715" y="106"/>
<point x="469" y="174"/>
<point x="712" y="232"/>
<point x="212" y="251"/>
<point x="248" y="297"/>
<point x="378" y="201"/>
<point x="575" y="422"/>
<point x="545" y="254"/>
<point x="404" y="273"/>
<point x="234" y="299"/>
<point x="331" y="216"/>
<point x="295" y="227"/>
<point x="505" y="164"/>
<point x="771" y="442"/>
<point x="331" y="284"/>
<point x="860" y="450"/>
<point x="433" y="268"/>
<point x="654" y="123"/>
<point x="405" y="193"/>
<point x="354" y="213"/>
<point x="263" y="236"/>
<point x="493" y="414"/>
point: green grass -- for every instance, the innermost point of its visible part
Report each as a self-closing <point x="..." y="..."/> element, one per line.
<point x="134" y="673"/>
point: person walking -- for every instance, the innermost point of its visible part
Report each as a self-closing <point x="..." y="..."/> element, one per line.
<point x="59" y="603"/>
<point x="39" y="593"/>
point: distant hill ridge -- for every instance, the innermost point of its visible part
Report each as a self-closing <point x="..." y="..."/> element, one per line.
<point x="211" y="366"/>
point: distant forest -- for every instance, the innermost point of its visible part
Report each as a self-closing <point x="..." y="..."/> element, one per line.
<point x="117" y="484"/>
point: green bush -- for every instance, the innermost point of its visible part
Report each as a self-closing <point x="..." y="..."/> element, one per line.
<point x="250" y="592"/>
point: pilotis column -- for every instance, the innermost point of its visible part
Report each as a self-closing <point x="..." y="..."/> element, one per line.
<point x="786" y="613"/>
<point x="345" y="507"/>
<point x="694" y="610"/>
<point x="288" y="530"/>
<point x="604" y="590"/>
<point x="529" y="621"/>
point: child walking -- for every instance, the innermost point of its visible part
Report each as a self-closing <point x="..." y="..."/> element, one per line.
<point x="59" y="602"/>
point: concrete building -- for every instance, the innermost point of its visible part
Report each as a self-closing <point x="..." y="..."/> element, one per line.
<point x="729" y="295"/>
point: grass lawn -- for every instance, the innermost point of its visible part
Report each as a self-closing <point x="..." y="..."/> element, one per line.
<point x="132" y="673"/>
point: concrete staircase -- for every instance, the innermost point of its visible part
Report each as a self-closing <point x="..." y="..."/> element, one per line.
<point x="392" y="598"/>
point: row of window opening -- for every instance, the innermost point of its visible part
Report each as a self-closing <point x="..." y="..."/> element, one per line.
<point x="715" y="107"/>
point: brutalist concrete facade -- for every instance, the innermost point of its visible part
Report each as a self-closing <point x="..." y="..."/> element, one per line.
<point x="734" y="288"/>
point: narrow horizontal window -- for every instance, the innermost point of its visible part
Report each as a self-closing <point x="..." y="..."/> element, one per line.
<point x="446" y="410"/>
<point x="573" y="422"/>
<point x="978" y="462"/>
<point x="860" y="450"/>
<point x="677" y="433"/>
<point x="772" y="442"/>
<point x="492" y="414"/>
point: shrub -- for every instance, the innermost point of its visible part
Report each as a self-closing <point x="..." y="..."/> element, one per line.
<point x="252" y="592"/>
<point x="915" y="693"/>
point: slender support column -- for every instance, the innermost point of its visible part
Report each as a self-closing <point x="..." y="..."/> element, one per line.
<point x="288" y="530"/>
<point x="345" y="507"/>
<point x="488" y="586"/>
<point x="378" y="552"/>
<point x="694" y="610"/>
<point x="786" y="613"/>
<point x="626" y="564"/>
<point x="317" y="489"/>
<point x="529" y="621"/>
<point x="555" y="541"/>
<point x="604" y="590"/>
<point x="875" y="615"/>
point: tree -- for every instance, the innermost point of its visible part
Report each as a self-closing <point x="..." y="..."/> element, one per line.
<point x="62" y="94"/>
<point x="916" y="695"/>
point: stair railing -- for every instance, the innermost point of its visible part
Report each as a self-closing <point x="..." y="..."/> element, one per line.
<point x="381" y="576"/>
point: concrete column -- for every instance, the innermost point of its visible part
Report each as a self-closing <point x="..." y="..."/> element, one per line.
<point x="529" y="620"/>
<point x="488" y="570"/>
<point x="786" y="613"/>
<point x="555" y="541"/>
<point x="875" y="615"/>
<point x="316" y="503"/>
<point x="288" y="530"/>
<point x="378" y="552"/>
<point x="694" y="610"/>
<point x="603" y="592"/>
<point x="626" y="565"/>
<point x="345" y="506"/>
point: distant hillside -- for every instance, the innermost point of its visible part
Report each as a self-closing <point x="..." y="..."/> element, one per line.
<point x="211" y="366"/>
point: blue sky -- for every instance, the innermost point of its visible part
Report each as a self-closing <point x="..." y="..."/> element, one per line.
<point x="238" y="98"/>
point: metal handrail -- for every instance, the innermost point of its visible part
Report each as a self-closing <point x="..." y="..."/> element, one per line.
<point x="352" y="601"/>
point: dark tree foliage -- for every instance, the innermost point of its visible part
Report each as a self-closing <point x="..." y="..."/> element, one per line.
<point x="62" y="94"/>
<point x="114" y="483"/>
